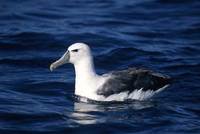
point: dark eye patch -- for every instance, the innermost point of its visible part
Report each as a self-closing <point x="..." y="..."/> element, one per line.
<point x="75" y="50"/>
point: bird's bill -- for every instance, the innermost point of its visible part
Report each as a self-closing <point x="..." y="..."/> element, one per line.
<point x="63" y="60"/>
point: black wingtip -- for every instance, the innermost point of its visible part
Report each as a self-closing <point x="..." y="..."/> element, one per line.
<point x="167" y="80"/>
<point x="163" y="79"/>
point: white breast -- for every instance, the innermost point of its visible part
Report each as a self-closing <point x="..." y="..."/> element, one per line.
<point x="88" y="87"/>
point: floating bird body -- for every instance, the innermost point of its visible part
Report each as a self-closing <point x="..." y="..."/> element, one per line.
<point x="130" y="84"/>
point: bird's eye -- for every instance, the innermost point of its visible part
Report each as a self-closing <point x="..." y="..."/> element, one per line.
<point x="75" y="50"/>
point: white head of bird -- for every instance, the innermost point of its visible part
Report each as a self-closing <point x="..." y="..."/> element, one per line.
<point x="79" y="54"/>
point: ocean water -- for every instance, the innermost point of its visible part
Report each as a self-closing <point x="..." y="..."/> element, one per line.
<point x="161" y="35"/>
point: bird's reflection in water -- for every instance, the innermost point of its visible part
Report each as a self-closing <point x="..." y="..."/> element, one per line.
<point x="90" y="113"/>
<point x="85" y="113"/>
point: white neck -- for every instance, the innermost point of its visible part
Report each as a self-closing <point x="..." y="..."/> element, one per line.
<point x="85" y="69"/>
<point x="85" y="77"/>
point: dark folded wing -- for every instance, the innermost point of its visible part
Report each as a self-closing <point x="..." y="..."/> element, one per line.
<point x="132" y="79"/>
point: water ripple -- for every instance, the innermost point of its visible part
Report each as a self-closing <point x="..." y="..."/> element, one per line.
<point x="155" y="34"/>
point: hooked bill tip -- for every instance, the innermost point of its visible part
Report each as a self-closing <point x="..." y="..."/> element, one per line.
<point x="51" y="67"/>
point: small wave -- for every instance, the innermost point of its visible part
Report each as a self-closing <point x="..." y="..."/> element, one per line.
<point x="32" y="63"/>
<point x="174" y="1"/>
<point x="29" y="41"/>
<point x="122" y="56"/>
<point x="183" y="66"/>
<point x="25" y="116"/>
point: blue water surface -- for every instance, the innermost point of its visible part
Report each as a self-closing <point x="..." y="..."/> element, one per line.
<point x="161" y="35"/>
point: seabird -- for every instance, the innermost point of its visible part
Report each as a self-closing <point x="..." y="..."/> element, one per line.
<point x="130" y="84"/>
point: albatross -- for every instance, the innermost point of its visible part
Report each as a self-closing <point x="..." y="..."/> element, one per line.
<point x="129" y="84"/>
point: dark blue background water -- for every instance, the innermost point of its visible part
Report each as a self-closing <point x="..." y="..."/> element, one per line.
<point x="162" y="35"/>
